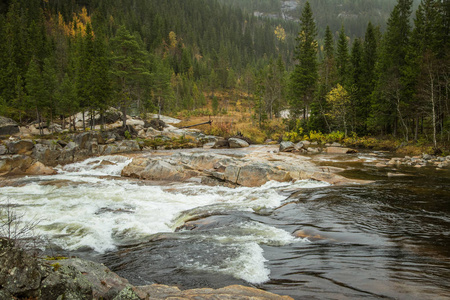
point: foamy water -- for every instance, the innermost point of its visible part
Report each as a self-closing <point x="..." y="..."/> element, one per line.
<point x="78" y="209"/>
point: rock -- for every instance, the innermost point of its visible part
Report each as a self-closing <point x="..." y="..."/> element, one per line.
<point x="39" y="168"/>
<point x="335" y="144"/>
<point x="314" y="150"/>
<point x="427" y="157"/>
<point x="46" y="154"/>
<point x="14" y="164"/>
<point x="300" y="145"/>
<point x="20" y="273"/>
<point x="3" y="150"/>
<point x="221" y="144"/>
<point x="8" y="126"/>
<point x="237" y="292"/>
<point x="20" y="147"/>
<point x="305" y="143"/>
<point x="128" y="146"/>
<point x="127" y="294"/>
<point x="287" y="146"/>
<point x="340" y="150"/>
<point x="237" y="143"/>
<point x="105" y="283"/>
<point x="84" y="140"/>
<point x="209" y="145"/>
<point x="65" y="282"/>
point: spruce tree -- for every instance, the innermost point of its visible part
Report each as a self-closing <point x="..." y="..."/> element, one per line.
<point x="130" y="66"/>
<point x="342" y="58"/>
<point x="304" y="77"/>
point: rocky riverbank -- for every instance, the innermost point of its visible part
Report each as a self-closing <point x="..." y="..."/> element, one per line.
<point x="23" y="276"/>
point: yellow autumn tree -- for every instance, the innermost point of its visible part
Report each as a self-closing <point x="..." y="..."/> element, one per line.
<point x="339" y="100"/>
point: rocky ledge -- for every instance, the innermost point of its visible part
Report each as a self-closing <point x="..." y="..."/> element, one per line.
<point x="23" y="276"/>
<point x="253" y="169"/>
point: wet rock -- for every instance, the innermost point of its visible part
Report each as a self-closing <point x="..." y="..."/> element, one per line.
<point x="237" y="143"/>
<point x="39" y="168"/>
<point x="237" y="292"/>
<point x="339" y="150"/>
<point x="20" y="147"/>
<point x="8" y="126"/>
<point x="14" y="164"/>
<point x="286" y="146"/>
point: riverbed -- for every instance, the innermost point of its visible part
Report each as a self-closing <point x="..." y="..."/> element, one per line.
<point x="307" y="239"/>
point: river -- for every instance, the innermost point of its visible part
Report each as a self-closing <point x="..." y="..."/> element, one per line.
<point x="387" y="239"/>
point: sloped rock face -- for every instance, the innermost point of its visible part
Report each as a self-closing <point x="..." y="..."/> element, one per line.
<point x="237" y="292"/>
<point x="250" y="171"/>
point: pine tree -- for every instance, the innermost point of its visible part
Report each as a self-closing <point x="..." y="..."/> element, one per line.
<point x="304" y="77"/>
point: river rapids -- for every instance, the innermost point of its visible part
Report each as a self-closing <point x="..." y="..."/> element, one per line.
<point x="388" y="239"/>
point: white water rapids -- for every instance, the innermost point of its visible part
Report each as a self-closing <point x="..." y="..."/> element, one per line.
<point x="88" y="206"/>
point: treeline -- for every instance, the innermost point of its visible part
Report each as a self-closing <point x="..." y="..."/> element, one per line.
<point x="354" y="15"/>
<point x="60" y="57"/>
<point x="396" y="83"/>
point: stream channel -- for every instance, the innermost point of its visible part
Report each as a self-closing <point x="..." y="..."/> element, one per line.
<point x="389" y="239"/>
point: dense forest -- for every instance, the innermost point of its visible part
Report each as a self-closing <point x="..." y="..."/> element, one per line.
<point x="62" y="57"/>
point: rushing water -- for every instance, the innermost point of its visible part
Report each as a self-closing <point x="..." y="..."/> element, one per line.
<point x="388" y="239"/>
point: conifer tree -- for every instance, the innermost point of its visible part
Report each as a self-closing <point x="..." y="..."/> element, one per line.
<point x="37" y="95"/>
<point x="130" y="66"/>
<point x="304" y="77"/>
<point x="342" y="57"/>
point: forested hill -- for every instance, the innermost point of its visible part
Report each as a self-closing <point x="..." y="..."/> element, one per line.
<point x="354" y="15"/>
<point x="59" y="57"/>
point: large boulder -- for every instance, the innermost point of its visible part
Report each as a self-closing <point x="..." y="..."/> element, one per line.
<point x="237" y="143"/>
<point x="20" y="273"/>
<point x="105" y="283"/>
<point x="46" y="153"/>
<point x="39" y="168"/>
<point x="8" y="126"/>
<point x="14" y="164"/>
<point x="340" y="150"/>
<point x="20" y="147"/>
<point x="287" y="146"/>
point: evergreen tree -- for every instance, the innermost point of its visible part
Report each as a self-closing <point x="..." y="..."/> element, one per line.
<point x="37" y="95"/>
<point x="304" y="77"/>
<point x="358" y="105"/>
<point x="391" y="96"/>
<point x="130" y="67"/>
<point x="342" y="58"/>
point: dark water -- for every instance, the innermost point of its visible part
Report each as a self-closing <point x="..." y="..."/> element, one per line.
<point x="386" y="240"/>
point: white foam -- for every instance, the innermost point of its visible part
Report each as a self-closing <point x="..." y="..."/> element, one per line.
<point x="96" y="166"/>
<point x="248" y="264"/>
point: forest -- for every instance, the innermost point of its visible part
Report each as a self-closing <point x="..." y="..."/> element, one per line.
<point x="58" y="58"/>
